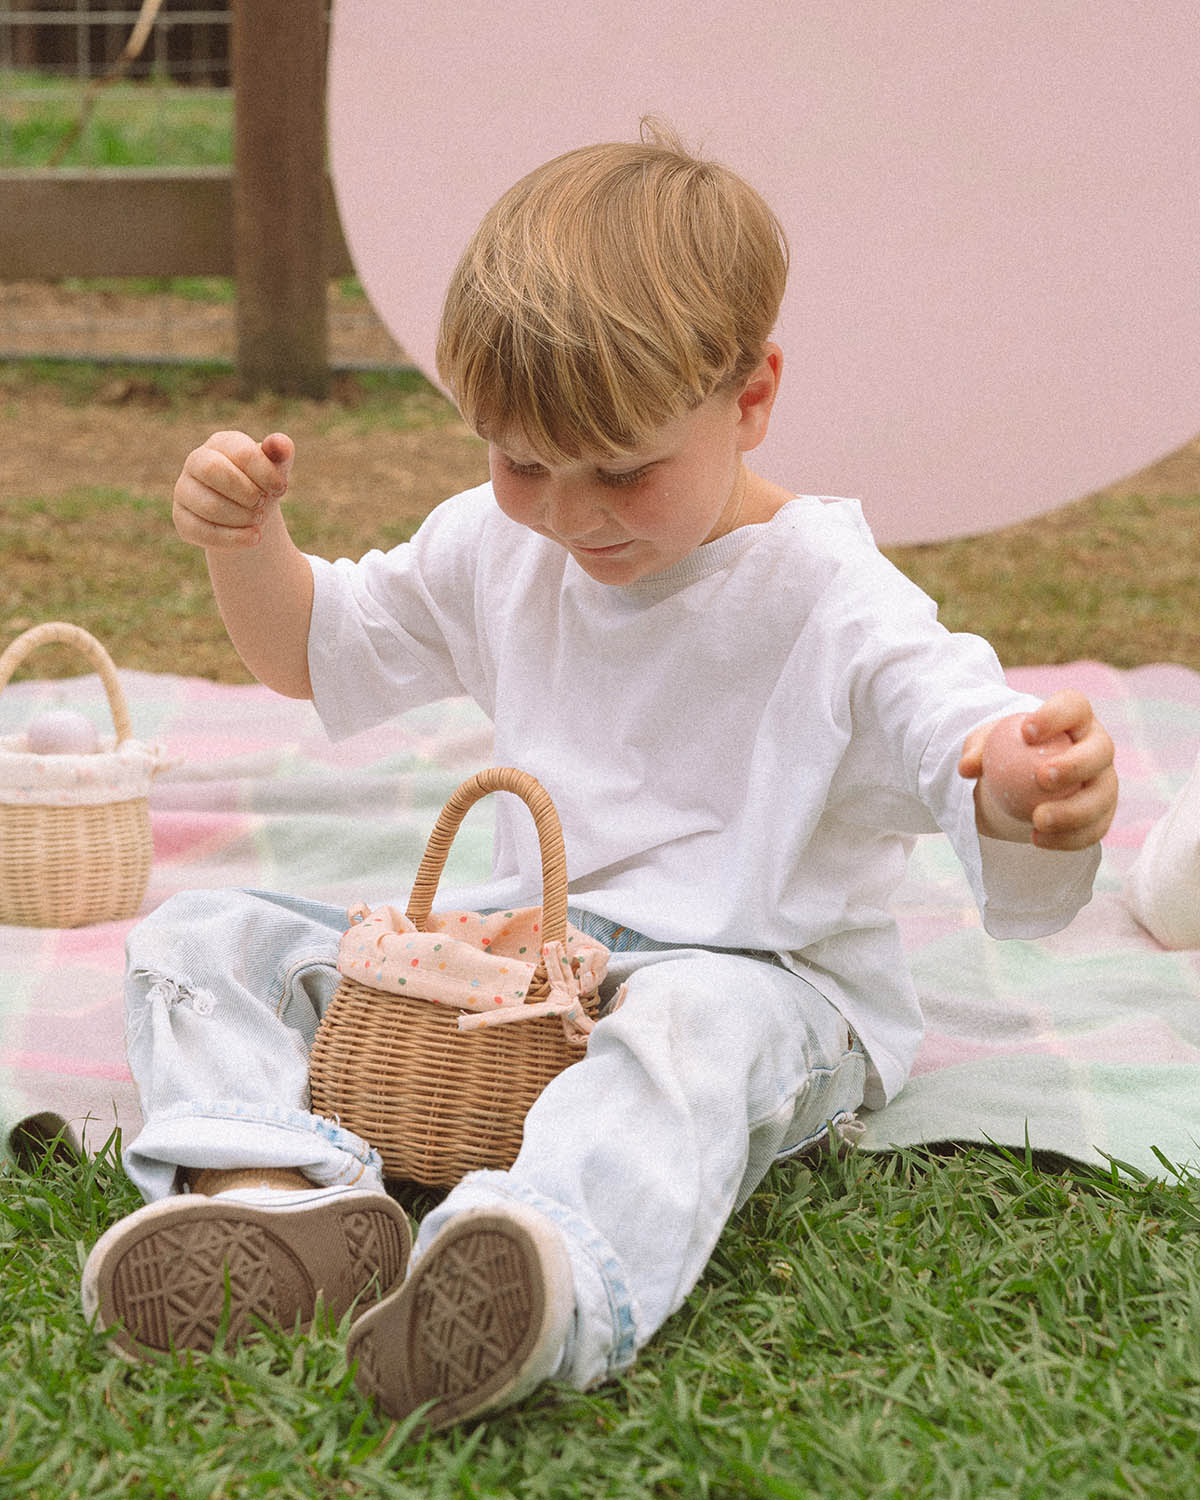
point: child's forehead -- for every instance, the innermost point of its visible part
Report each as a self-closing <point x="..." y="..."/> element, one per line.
<point x="511" y="440"/>
<point x="513" y="443"/>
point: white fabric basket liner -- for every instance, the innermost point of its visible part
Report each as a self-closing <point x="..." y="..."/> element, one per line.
<point x="114" y="773"/>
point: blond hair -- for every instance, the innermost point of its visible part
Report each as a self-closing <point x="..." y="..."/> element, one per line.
<point x="608" y="292"/>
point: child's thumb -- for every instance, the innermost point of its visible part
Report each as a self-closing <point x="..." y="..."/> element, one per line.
<point x="280" y="449"/>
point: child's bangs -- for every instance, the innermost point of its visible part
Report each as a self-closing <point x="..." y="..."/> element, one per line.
<point x="566" y="400"/>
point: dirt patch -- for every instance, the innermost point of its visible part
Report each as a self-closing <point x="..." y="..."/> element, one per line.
<point x="96" y="320"/>
<point x="129" y="435"/>
<point x="49" y="446"/>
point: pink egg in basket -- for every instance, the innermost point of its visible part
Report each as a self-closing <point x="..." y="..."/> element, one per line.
<point x="62" y="731"/>
<point x="1011" y="766"/>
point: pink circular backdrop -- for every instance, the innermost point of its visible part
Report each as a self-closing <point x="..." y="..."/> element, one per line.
<point x="994" y="212"/>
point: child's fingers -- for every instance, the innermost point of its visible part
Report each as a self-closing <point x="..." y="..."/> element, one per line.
<point x="197" y="510"/>
<point x="1067" y="712"/>
<point x="227" y="485"/>
<point x="234" y="465"/>
<point x="281" y="451"/>
<point x="200" y="531"/>
<point x="1088" y="758"/>
<point x="970" y="763"/>
<point x="1080" y="820"/>
<point x="1091" y="750"/>
<point x="210" y="517"/>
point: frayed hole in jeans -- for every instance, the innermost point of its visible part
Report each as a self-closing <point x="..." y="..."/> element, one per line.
<point x="171" y="993"/>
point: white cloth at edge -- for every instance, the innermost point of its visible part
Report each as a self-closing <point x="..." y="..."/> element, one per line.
<point x="741" y="749"/>
<point x="1163" y="884"/>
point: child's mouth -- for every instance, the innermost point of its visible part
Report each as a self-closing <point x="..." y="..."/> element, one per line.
<point x="600" y="551"/>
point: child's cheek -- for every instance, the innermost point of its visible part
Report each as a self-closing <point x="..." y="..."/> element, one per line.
<point x="513" y="503"/>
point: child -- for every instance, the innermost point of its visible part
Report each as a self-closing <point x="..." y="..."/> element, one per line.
<point x="744" y="715"/>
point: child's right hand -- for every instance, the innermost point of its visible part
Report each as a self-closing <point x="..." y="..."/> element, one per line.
<point x="228" y="488"/>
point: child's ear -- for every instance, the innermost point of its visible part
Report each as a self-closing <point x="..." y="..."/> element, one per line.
<point x="758" y="397"/>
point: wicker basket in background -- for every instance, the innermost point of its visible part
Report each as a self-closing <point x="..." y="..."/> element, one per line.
<point x="434" y="1101"/>
<point x="64" y="866"/>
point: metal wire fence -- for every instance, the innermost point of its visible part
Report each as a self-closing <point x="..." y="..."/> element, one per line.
<point x="83" y="39"/>
<point x="72" y="96"/>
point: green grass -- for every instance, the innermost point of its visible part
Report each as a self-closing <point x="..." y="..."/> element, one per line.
<point x="144" y="593"/>
<point x="373" y="399"/>
<point x="1106" y="580"/>
<point x="149" y="124"/>
<point x="977" y="1325"/>
<point x="155" y="123"/>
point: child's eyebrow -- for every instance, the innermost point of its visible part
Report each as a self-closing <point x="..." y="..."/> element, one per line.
<point x="606" y="471"/>
<point x="518" y="460"/>
<point x="618" y="464"/>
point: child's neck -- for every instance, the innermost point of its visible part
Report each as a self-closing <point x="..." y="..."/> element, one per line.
<point x="760" y="500"/>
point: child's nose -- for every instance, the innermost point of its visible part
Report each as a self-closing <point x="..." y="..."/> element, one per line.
<point x="571" y="511"/>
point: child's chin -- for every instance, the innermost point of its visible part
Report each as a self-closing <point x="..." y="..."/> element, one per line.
<point x="614" y="564"/>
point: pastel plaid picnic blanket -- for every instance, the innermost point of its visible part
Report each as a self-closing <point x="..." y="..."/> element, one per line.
<point x="1085" y="1043"/>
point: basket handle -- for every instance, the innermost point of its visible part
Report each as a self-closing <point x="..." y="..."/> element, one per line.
<point x="58" y="632"/>
<point x="554" y="857"/>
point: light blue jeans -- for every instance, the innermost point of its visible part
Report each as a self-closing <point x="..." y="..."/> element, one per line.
<point x="716" y="1065"/>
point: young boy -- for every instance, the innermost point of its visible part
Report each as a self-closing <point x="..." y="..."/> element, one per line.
<point x="744" y="715"/>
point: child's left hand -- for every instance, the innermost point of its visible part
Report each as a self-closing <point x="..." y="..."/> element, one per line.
<point x="1081" y="779"/>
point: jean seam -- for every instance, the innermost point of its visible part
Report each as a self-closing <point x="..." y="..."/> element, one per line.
<point x="286" y="978"/>
<point x="839" y="1117"/>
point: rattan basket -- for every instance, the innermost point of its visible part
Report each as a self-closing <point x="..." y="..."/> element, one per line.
<point x="437" y="1102"/>
<point x="67" y="865"/>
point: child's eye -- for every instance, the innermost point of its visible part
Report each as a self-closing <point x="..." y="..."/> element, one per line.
<point x="522" y="471"/>
<point x="615" y="479"/>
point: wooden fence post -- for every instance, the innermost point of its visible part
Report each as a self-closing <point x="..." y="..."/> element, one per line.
<point x="278" y="54"/>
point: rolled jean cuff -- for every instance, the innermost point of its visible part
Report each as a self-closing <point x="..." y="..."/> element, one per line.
<point x="604" y="1338"/>
<point x="226" y="1134"/>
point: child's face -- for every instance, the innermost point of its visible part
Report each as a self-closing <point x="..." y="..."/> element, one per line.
<point x="622" y="520"/>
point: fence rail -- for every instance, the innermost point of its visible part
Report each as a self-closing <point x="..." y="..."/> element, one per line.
<point x="76" y="221"/>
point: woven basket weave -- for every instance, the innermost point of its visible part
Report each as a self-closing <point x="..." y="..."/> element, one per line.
<point x="71" y="865"/>
<point x="434" y="1101"/>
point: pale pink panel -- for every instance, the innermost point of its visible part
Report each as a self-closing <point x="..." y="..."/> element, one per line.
<point x="994" y="211"/>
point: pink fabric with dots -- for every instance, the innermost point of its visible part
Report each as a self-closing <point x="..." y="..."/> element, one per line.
<point x="481" y="964"/>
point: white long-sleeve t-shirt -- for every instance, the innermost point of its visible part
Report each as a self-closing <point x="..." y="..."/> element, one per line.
<point x="741" y="749"/>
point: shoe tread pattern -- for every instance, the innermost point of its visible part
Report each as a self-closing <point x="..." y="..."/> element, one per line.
<point x="473" y="1312"/>
<point x="169" y="1287"/>
<point x="377" y="1249"/>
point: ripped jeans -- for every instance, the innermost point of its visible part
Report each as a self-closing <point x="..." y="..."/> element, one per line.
<point x="716" y="1065"/>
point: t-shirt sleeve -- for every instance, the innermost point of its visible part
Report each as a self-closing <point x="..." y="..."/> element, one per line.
<point x="925" y="689"/>
<point x="1020" y="890"/>
<point x="395" y="629"/>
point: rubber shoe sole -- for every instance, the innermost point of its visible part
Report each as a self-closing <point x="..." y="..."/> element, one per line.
<point x="176" y="1273"/>
<point x="479" y="1323"/>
